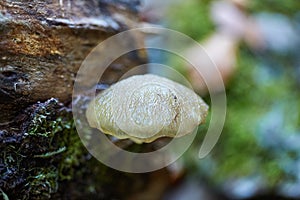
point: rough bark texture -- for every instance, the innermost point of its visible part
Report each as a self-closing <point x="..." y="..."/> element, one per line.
<point x="42" y="45"/>
<point x="42" y="157"/>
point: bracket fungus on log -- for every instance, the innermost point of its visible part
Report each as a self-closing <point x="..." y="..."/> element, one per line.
<point x="144" y="108"/>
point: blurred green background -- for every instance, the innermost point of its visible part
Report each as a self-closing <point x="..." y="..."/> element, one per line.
<point x="259" y="149"/>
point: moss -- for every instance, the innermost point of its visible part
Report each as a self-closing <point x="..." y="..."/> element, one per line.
<point x="43" y="183"/>
<point x="44" y="158"/>
<point x="4" y="196"/>
<point x="46" y="152"/>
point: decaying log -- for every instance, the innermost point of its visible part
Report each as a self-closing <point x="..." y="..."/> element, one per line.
<point x="42" y="45"/>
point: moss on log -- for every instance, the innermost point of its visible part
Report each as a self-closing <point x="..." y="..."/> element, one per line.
<point x="42" y="45"/>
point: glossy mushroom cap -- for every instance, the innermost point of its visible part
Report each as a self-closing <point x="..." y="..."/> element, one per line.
<point x="146" y="107"/>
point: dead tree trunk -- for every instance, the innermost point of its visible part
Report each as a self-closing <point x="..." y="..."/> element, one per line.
<point x="42" y="45"/>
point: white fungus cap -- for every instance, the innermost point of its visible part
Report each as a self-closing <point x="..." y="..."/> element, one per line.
<point x="146" y="107"/>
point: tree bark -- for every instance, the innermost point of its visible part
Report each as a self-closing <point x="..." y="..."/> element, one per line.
<point x="42" y="45"/>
